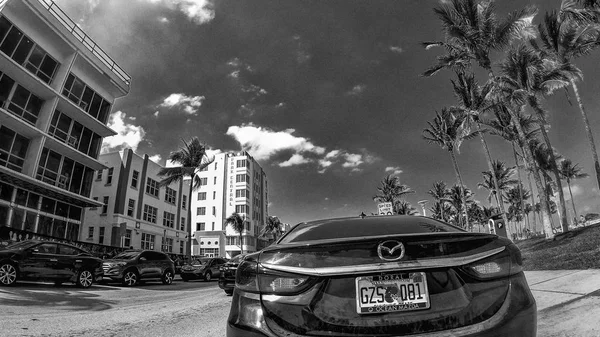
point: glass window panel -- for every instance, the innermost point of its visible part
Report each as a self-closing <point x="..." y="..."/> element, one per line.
<point x="86" y="100"/>
<point x="96" y="103"/>
<point x="45" y="225"/>
<point x="53" y="162"/>
<point x="21" y="198"/>
<point x="3" y="214"/>
<point x="76" y="131"/>
<point x="22" y="51"/>
<point x="48" y="67"/>
<point x="20" y="146"/>
<point x="73" y="231"/>
<point x="4" y="27"/>
<point x="66" y="173"/>
<point x="10" y="41"/>
<point x="29" y="224"/>
<point x="6" y="85"/>
<point x="35" y="58"/>
<point x="95" y="146"/>
<point x="17" y="218"/>
<point x="77" y="178"/>
<point x="32" y="201"/>
<point x="68" y="84"/>
<point x="34" y="106"/>
<point x="20" y="96"/>
<point x="87" y="182"/>
<point x="84" y="143"/>
<point x="63" y="126"/>
<point x="75" y="212"/>
<point x="60" y="227"/>
<point x="6" y="191"/>
<point x="76" y="90"/>
<point x="6" y="138"/>
<point x="104" y="111"/>
<point x="62" y="209"/>
<point x="48" y="205"/>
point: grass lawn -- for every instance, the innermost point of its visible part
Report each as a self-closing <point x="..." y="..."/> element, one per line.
<point x="576" y="249"/>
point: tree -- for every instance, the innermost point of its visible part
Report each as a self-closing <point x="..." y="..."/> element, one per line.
<point x="191" y="159"/>
<point x="403" y="207"/>
<point x="391" y="190"/>
<point x="272" y="228"/>
<point x="448" y="131"/>
<point x="504" y="178"/>
<point x="564" y="40"/>
<point x="460" y="199"/>
<point x="568" y="171"/>
<point x="237" y="223"/>
<point x="440" y="193"/>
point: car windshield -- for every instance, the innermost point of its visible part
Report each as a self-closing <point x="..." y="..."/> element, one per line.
<point x="126" y="256"/>
<point x="21" y="245"/>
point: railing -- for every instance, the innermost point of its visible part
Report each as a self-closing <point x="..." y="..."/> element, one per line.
<point x="80" y="35"/>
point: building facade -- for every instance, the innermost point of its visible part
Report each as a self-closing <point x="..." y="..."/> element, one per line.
<point x="57" y="88"/>
<point x="136" y="211"/>
<point x="233" y="183"/>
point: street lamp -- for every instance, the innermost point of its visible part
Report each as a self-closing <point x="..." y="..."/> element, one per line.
<point x="422" y="203"/>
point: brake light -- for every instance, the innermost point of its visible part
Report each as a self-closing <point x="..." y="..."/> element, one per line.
<point x="246" y="276"/>
<point x="280" y="284"/>
<point x="503" y="264"/>
<point x="252" y="278"/>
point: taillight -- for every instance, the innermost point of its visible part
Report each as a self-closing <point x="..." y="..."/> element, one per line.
<point x="245" y="276"/>
<point x="252" y="278"/>
<point x="503" y="264"/>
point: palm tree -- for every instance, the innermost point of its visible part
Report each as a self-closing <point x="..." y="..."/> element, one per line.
<point x="191" y="158"/>
<point x="237" y="223"/>
<point x="441" y="210"/>
<point x="530" y="76"/>
<point x="440" y="193"/>
<point x="448" y="131"/>
<point x="565" y="40"/>
<point x="272" y="228"/>
<point x="504" y="178"/>
<point x="403" y="207"/>
<point x="460" y="199"/>
<point x="569" y="172"/>
<point x="515" y="197"/>
<point x="391" y="190"/>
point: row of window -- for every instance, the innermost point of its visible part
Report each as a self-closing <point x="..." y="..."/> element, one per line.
<point x="71" y="132"/>
<point x="235" y="240"/>
<point x="25" y="52"/>
<point x="147" y="240"/>
<point x="13" y="148"/>
<point x="64" y="172"/>
<point x="18" y="100"/>
<point x="86" y="98"/>
<point x="46" y="225"/>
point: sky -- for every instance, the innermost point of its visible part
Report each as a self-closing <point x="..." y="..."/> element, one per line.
<point x="326" y="95"/>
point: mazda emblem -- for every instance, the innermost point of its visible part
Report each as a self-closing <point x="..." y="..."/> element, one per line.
<point x="390" y="250"/>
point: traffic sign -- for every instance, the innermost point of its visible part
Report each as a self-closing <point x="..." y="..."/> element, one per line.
<point x="385" y="208"/>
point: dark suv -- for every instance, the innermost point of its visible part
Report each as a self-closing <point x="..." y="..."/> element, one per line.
<point x="131" y="266"/>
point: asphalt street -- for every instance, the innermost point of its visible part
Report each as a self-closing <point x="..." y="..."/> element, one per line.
<point x="568" y="305"/>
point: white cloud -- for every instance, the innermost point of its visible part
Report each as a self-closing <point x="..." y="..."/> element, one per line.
<point x="576" y="189"/>
<point x="396" y="49"/>
<point x="296" y="159"/>
<point x="156" y="113"/>
<point x="394" y="170"/>
<point x="163" y="20"/>
<point x="156" y="158"/>
<point x="128" y="135"/>
<point x="190" y="104"/>
<point x="199" y="11"/>
<point x="357" y="90"/>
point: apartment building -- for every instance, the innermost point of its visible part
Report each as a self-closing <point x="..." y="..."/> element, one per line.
<point x="234" y="182"/>
<point x="136" y="211"/>
<point x="57" y="88"/>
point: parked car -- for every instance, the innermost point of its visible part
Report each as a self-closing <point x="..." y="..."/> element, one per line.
<point x="132" y="266"/>
<point x="227" y="274"/>
<point x="42" y="260"/>
<point x="205" y="268"/>
<point x="383" y="276"/>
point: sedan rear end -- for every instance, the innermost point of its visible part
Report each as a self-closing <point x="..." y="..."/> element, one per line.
<point x="383" y="276"/>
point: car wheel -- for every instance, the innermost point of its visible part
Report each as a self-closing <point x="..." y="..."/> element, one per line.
<point x="208" y="276"/>
<point x="130" y="278"/>
<point x="229" y="292"/>
<point x="8" y="274"/>
<point x="85" y="278"/>
<point x="167" y="277"/>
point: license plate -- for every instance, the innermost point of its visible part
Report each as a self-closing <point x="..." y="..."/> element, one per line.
<point x="391" y="293"/>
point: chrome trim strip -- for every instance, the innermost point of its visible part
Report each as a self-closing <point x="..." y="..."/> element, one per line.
<point x="387" y="266"/>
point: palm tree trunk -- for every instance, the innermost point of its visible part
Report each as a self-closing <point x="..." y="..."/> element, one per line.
<point x="572" y="201"/>
<point x="536" y="175"/>
<point x="462" y="188"/>
<point x="588" y="131"/>
<point x="520" y="185"/>
<point x="488" y="158"/>
<point x="563" y="208"/>
<point x="188" y="249"/>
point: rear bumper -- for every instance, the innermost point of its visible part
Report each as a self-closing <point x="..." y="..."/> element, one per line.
<point x="516" y="317"/>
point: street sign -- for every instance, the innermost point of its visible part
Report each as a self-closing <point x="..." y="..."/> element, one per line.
<point x="385" y="208"/>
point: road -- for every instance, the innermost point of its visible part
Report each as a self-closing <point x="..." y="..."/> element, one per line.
<point x="194" y="308"/>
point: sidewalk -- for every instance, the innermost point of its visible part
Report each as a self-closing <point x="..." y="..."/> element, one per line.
<point x="568" y="301"/>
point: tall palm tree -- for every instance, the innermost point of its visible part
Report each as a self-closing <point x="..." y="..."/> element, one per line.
<point x="404" y="207"/>
<point x="391" y="190"/>
<point x="461" y="199"/>
<point x="504" y="178"/>
<point x="237" y="223"/>
<point x="440" y="193"/>
<point x="272" y="228"/>
<point x="565" y="40"/>
<point x="569" y="172"/>
<point x="516" y="197"/>
<point x="441" y="210"/>
<point x="448" y="131"/>
<point x="531" y="77"/>
<point x="191" y="159"/>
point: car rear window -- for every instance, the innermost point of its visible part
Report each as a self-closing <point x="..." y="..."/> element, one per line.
<point x="126" y="256"/>
<point x="368" y="226"/>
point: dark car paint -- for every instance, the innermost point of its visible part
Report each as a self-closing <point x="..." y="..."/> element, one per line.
<point x="33" y="264"/>
<point x="212" y="265"/>
<point x="145" y="268"/>
<point x="227" y="275"/>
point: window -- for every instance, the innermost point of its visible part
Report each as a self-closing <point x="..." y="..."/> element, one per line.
<point x="184" y="202"/>
<point x="241" y="208"/>
<point x="241" y="163"/>
<point x="200" y="226"/>
<point x="232" y="240"/>
<point x="91" y="233"/>
<point x="101" y="235"/>
<point x="241" y="178"/>
<point x="168" y="245"/>
<point x="182" y="224"/>
<point x="215" y="181"/>
<point x="150" y="213"/>
<point x="134" y="179"/>
<point x="214" y="195"/>
<point x="13" y="148"/>
<point x="71" y="132"/>
<point x="130" y="207"/>
<point x="99" y="175"/>
<point x="147" y="241"/>
<point x="170" y="195"/>
<point x="25" y="105"/>
<point x="203" y="181"/>
<point x="25" y="52"/>
<point x="214" y="210"/>
<point x="168" y="219"/>
<point x="127" y="240"/>
<point x="181" y="246"/>
<point x="152" y="187"/>
<point x="213" y="228"/>
<point x="65" y="173"/>
<point x="243" y="193"/>
<point x="86" y="98"/>
<point x="216" y="165"/>
<point x="105" y="206"/>
<point x="201" y="211"/>
<point x="6" y="85"/>
<point x="109" y="176"/>
<point x="201" y="195"/>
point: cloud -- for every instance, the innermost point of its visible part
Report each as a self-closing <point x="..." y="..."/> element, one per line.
<point x="128" y="135"/>
<point x="156" y="158"/>
<point x="357" y="90"/>
<point x="396" y="49"/>
<point x="198" y="11"/>
<point x="394" y="170"/>
<point x="296" y="159"/>
<point x="190" y="104"/>
<point x="576" y="189"/>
